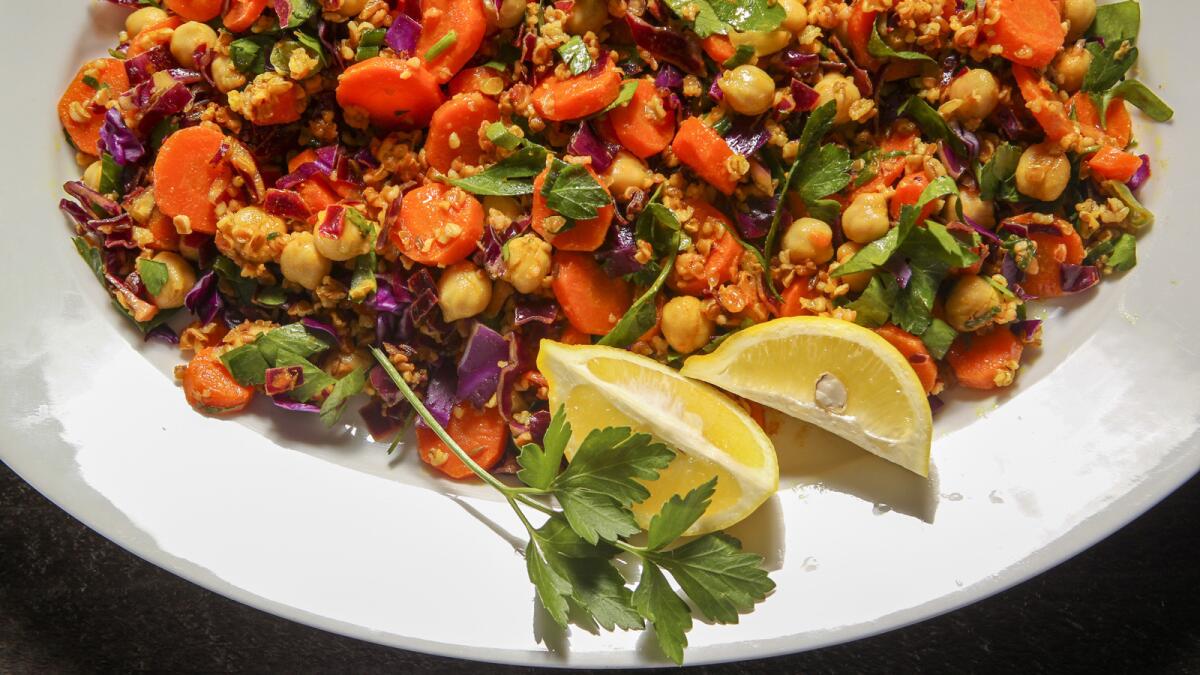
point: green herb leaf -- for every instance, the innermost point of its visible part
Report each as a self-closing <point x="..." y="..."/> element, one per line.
<point x="657" y="224"/>
<point x="932" y="124"/>
<point x="443" y="43"/>
<point x="749" y="15"/>
<point x="370" y="43"/>
<point x="315" y="379"/>
<point x="1139" y="216"/>
<point x="552" y="589"/>
<point x="246" y="364"/>
<point x="597" y="588"/>
<point x="596" y="516"/>
<point x="997" y="178"/>
<point x="335" y="403"/>
<point x="540" y="464"/>
<point x="824" y="172"/>
<point x="153" y="273"/>
<point x="249" y="54"/>
<point x="874" y="306"/>
<point x="363" y="283"/>
<point x="230" y="273"/>
<point x="612" y="461"/>
<point x="91" y="255"/>
<point x="678" y="514"/>
<point x="624" y="96"/>
<point x="705" y="21"/>
<point x="881" y="250"/>
<point x="721" y="580"/>
<point x="510" y="177"/>
<point x="1141" y="96"/>
<point x="879" y="49"/>
<point x="574" y="193"/>
<point x="314" y="47"/>
<point x="1117" y="21"/>
<point x="661" y="606"/>
<point x="1109" y="65"/>
<point x="742" y="55"/>
<point x="575" y="54"/>
<point x="938" y="338"/>
<point x="1124" y="254"/>
<point x="293" y="338"/>
<point x="110" y="176"/>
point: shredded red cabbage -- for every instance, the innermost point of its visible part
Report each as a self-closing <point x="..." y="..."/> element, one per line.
<point x="805" y="96"/>
<point x="619" y="254"/>
<point x="755" y="221"/>
<point x="534" y="310"/>
<point x="666" y="44"/>
<point x="403" y="35"/>
<point x="117" y="140"/>
<point x="204" y="300"/>
<point x="746" y="135"/>
<point x="140" y="68"/>
<point x="323" y="330"/>
<point x="668" y="77"/>
<point x="1079" y="278"/>
<point x="163" y="333"/>
<point x="479" y="366"/>
<point x="585" y="143"/>
<point x="1141" y="175"/>
<point x="1027" y="330"/>
<point x="286" y="403"/>
<point x="286" y="203"/>
<point x="440" y="393"/>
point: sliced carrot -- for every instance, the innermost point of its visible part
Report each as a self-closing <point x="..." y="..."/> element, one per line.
<point x="859" y="27"/>
<point x="483" y="79"/>
<point x="1030" y="32"/>
<point x="643" y="125"/>
<point x="593" y="301"/>
<point x="718" y="48"/>
<point x="391" y="91"/>
<point x="800" y="289"/>
<point x="723" y="256"/>
<point x="465" y="18"/>
<point x="705" y="152"/>
<point x="578" y="96"/>
<point x="283" y="108"/>
<point x="908" y="192"/>
<point x="85" y="134"/>
<point x="1053" y="250"/>
<point x="185" y="175"/>
<point x="196" y="10"/>
<point x="316" y="191"/>
<point x="242" y="14"/>
<point x="985" y="361"/>
<point x="574" y="336"/>
<point x="1109" y="163"/>
<point x="166" y="237"/>
<point x="1118" y="124"/>
<point x="1043" y="103"/>
<point x="482" y="434"/>
<point x="339" y="189"/>
<point x="902" y="137"/>
<point x="914" y="352"/>
<point x="439" y="224"/>
<point x="586" y="235"/>
<point x="454" y="130"/>
<point x="210" y="388"/>
<point x="154" y="36"/>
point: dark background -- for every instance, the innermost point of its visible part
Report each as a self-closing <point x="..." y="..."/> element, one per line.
<point x="70" y="601"/>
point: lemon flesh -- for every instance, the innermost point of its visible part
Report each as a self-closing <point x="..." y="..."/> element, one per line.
<point x="831" y="373"/>
<point x="602" y="387"/>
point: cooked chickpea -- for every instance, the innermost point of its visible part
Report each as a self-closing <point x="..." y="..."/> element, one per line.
<point x="796" y="19"/>
<point x="351" y="8"/>
<point x="506" y="206"/>
<point x="1070" y="68"/>
<point x="866" y="219"/>
<point x="144" y="18"/>
<point x="251" y="233"/>
<point x="339" y="364"/>
<point x="226" y="76"/>
<point x="858" y="281"/>
<point x="978" y="91"/>
<point x="625" y="173"/>
<point x="839" y="88"/>
<point x="1043" y="172"/>
<point x="527" y="260"/>
<point x="809" y="239"/>
<point x="748" y="89"/>
<point x="463" y="291"/>
<point x="511" y="13"/>
<point x="684" y="325"/>
<point x="763" y="42"/>
<point x="351" y="242"/>
<point x="92" y="174"/>
<point x="978" y="210"/>
<point x="1079" y="14"/>
<point x="302" y="263"/>
<point x="187" y="39"/>
<point x="180" y="279"/>
<point x="586" y="15"/>
<point x="973" y="304"/>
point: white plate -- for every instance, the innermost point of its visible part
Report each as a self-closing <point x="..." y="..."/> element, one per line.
<point x="323" y="528"/>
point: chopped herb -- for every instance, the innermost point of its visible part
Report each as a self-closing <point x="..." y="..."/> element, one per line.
<point x="443" y="43"/>
<point x="153" y="273"/>
<point x="575" y="54"/>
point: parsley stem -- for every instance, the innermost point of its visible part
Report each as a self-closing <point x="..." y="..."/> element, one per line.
<point x="534" y="504"/>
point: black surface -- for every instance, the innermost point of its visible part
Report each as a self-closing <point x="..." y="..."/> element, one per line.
<point x="70" y="601"/>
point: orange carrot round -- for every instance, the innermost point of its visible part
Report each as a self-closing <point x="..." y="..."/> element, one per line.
<point x="438" y="18"/>
<point x="1053" y="250"/>
<point x="76" y="102"/>
<point x="643" y="125"/>
<point x="914" y="351"/>
<point x="723" y="256"/>
<point x="242" y="14"/>
<point x="586" y="235"/>
<point x="577" y="96"/>
<point x="1030" y="32"/>
<point x="859" y="28"/>
<point x="718" y="48"/>
<point x="908" y="192"/>
<point x="454" y="130"/>
<point x="1118" y="124"/>
<point x="705" y="152"/>
<point x="593" y="301"/>
<point x="800" y="289"/>
<point x="390" y="91"/>
<point x="482" y="79"/>
<point x="1109" y="163"/>
<point x="165" y="236"/>
<point x="210" y="388"/>
<point x="439" y="224"/>
<point x="986" y="361"/>
<point x="195" y="10"/>
<point x="185" y="176"/>
<point x="482" y="434"/>
<point x="153" y="36"/>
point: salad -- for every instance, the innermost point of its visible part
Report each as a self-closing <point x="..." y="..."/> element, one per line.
<point x="416" y="200"/>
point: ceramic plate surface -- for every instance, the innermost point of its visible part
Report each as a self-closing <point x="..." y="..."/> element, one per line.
<point x="322" y="527"/>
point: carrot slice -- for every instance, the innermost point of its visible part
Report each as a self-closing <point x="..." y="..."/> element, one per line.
<point x="438" y="19"/>
<point x="986" y="361"/>
<point x="185" y="176"/>
<point x="1118" y="124"/>
<point x="85" y="132"/>
<point x="391" y="91"/>
<point x="166" y="237"/>
<point x="196" y="10"/>
<point x="723" y="256"/>
<point x="914" y="351"/>
<point x="578" y="96"/>
<point x="454" y="130"/>
<point x="800" y="289"/>
<point x="593" y="301"/>
<point x="439" y="224"/>
<point x="859" y="27"/>
<point x="1030" y="32"/>
<point x="210" y="388"/>
<point x="154" y="36"/>
<point x="705" y="152"/>
<point x="316" y="191"/>
<point x="1053" y="250"/>
<point x="586" y="235"/>
<point x="242" y="14"/>
<point x="643" y="125"/>
<point x="718" y="47"/>
<point x="483" y="434"/>
<point x="1043" y="104"/>
<point x="908" y="192"/>
<point x="573" y="336"/>
<point x="1109" y="163"/>
<point x="482" y="79"/>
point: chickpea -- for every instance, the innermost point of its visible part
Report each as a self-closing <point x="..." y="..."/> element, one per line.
<point x="973" y="304"/>
<point x="1043" y="172"/>
<point x="1070" y="68"/>
<point x="978" y="91"/>
<point x="350" y="243"/>
<point x="796" y="19"/>
<point x="866" y="219"/>
<point x="763" y="42"/>
<point x="859" y="280"/>
<point x="226" y="75"/>
<point x="506" y="206"/>
<point x="625" y="173"/>
<point x="180" y="279"/>
<point x="978" y="210"/>
<point x="748" y="89"/>
<point x="302" y="263"/>
<point x="339" y="364"/>
<point x="512" y="12"/>
<point x="809" y="239"/>
<point x="527" y="259"/>
<point x="350" y="8"/>
<point x="250" y="232"/>
<point x="586" y="15"/>
<point x="684" y="325"/>
<point x="91" y="175"/>
<point x="1079" y="14"/>
<point x="839" y="88"/>
<point x="143" y="19"/>
<point x="463" y="291"/>
<point x="187" y="39"/>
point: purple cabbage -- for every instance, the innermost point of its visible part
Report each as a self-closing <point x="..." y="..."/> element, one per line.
<point x="806" y="97"/>
<point x="142" y="67"/>
<point x="440" y="393"/>
<point x="322" y="329"/>
<point x="387" y="390"/>
<point x="987" y="234"/>
<point x="755" y="221"/>
<point x="163" y="333"/>
<point x="668" y="77"/>
<point x="862" y="79"/>
<point x="286" y="403"/>
<point x="90" y="198"/>
<point x="204" y="300"/>
<point x="935" y="403"/>
<point x="619" y="255"/>
<point x="714" y="90"/>
<point x="155" y="106"/>
<point x="479" y="366"/>
<point x="1141" y="175"/>
<point x="537" y="425"/>
<point x="585" y="143"/>
<point x="798" y="60"/>
<point x="325" y="33"/>
<point x="379" y="423"/>
<point x="666" y="44"/>
<point x="534" y="310"/>
<point x="1027" y="330"/>
<point x="1079" y="278"/>
<point x="286" y="203"/>
<point x="746" y="135"/>
<point x="901" y="270"/>
<point x="283" y="379"/>
<point x="949" y="68"/>
<point x="117" y="140"/>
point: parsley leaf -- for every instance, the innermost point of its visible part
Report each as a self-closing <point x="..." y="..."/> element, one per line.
<point x="1109" y="65"/>
<point x="824" y="172"/>
<point x="641" y="316"/>
<point x="335" y="403"/>
<point x="704" y="19"/>
<point x="672" y="618"/>
<point x="742" y="55"/>
<point x="721" y="580"/>
<point x="879" y="49"/>
<point x="246" y="364"/>
<point x="249" y="54"/>
<point x="881" y="250"/>
<point x="153" y="273"/>
<point x="510" y="177"/>
<point x="874" y="305"/>
<point x="932" y="124"/>
<point x="938" y="338"/>
<point x="624" y="96"/>
<point x="678" y="514"/>
<point x="997" y="178"/>
<point x="315" y="379"/>
<point x="749" y="15"/>
<point x="573" y="193"/>
<point x="540" y="464"/>
<point x="552" y="589"/>
<point x="293" y="338"/>
<point x="1141" y="96"/>
<point x="1117" y="21"/>
<point x="575" y="54"/>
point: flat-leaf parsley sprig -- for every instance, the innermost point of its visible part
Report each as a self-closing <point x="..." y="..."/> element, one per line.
<point x="569" y="558"/>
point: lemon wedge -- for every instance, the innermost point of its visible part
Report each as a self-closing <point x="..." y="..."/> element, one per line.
<point x="831" y="373"/>
<point x="600" y="387"/>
